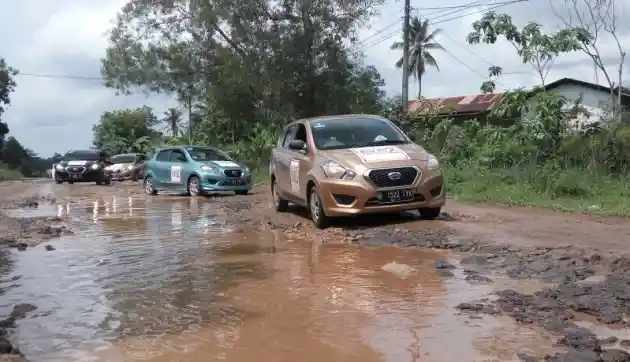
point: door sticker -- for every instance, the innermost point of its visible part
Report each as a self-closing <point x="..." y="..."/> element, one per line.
<point x="176" y="174"/>
<point x="380" y="154"/>
<point x="294" y="173"/>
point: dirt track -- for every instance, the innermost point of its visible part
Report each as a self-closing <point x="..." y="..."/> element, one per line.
<point x="583" y="257"/>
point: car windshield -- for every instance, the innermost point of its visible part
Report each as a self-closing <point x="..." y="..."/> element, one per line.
<point x="82" y="156"/>
<point x="337" y="134"/>
<point x="207" y="154"/>
<point x="123" y="159"/>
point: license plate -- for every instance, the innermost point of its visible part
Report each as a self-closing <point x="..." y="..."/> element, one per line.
<point x="386" y="197"/>
<point x="235" y="182"/>
<point x="75" y="177"/>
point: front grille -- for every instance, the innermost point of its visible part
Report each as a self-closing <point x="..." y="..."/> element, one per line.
<point x="76" y="169"/>
<point x="233" y="173"/>
<point x="380" y="177"/>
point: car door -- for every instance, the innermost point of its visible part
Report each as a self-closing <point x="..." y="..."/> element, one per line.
<point x="176" y="169"/>
<point x="281" y="161"/>
<point x="300" y="162"/>
<point x="159" y="168"/>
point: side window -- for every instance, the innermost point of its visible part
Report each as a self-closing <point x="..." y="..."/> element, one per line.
<point x="177" y="156"/>
<point x="141" y="158"/>
<point x="163" y="156"/>
<point x="283" y="136"/>
<point x="289" y="136"/>
<point x="300" y="133"/>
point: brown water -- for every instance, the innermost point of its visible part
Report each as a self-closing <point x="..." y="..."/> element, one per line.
<point x="168" y="279"/>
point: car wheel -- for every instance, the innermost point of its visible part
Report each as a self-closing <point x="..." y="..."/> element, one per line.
<point x="320" y="220"/>
<point x="194" y="186"/>
<point x="108" y="181"/>
<point x="70" y="182"/>
<point x="241" y="192"/>
<point x="430" y="213"/>
<point x="149" y="188"/>
<point x="279" y="203"/>
<point x="134" y="176"/>
<point x="58" y="180"/>
<point x="99" y="183"/>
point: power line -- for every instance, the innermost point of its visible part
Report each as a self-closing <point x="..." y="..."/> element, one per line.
<point x="431" y="21"/>
<point x="359" y="46"/>
<point x="58" y="76"/>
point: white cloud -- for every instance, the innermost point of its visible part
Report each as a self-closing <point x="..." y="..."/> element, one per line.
<point x="67" y="37"/>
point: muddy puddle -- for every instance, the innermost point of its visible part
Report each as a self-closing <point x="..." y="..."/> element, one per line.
<point x="171" y="279"/>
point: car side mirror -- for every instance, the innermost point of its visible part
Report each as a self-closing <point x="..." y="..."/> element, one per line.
<point x="297" y="145"/>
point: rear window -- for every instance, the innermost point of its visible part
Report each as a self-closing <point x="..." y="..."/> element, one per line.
<point x="343" y="133"/>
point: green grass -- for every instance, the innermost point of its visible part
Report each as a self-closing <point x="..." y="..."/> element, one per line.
<point x="7" y="175"/>
<point x="568" y="190"/>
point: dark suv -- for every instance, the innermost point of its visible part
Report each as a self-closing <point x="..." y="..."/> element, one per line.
<point x="83" y="166"/>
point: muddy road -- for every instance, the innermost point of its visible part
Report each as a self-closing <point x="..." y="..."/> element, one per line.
<point x="94" y="273"/>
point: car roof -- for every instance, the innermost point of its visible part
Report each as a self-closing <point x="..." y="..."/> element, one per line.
<point x="85" y="151"/>
<point x="335" y="117"/>
<point x="126" y="154"/>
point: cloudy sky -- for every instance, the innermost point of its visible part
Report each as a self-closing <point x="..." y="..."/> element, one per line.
<point x="66" y="38"/>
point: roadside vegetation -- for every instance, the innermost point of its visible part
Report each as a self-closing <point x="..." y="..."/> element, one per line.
<point x="242" y="71"/>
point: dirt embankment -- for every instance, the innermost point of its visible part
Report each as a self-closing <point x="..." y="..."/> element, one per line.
<point x="586" y="259"/>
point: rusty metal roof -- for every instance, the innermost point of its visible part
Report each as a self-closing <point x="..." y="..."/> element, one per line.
<point x="472" y="104"/>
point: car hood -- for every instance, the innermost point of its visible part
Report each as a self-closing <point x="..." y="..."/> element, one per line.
<point x="377" y="156"/>
<point x="77" y="163"/>
<point x="118" y="166"/>
<point x="223" y="164"/>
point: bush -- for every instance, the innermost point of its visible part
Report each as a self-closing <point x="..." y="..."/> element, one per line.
<point x="541" y="160"/>
<point x="7" y="174"/>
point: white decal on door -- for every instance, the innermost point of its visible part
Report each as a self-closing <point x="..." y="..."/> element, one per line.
<point x="176" y="174"/>
<point x="380" y="153"/>
<point x="294" y="173"/>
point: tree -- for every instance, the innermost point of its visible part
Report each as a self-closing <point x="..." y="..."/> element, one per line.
<point x="240" y="64"/>
<point x="7" y="86"/>
<point x="421" y="41"/>
<point x="173" y="121"/>
<point x="124" y="130"/>
<point x="532" y="45"/>
<point x="14" y="153"/>
<point x="597" y="18"/>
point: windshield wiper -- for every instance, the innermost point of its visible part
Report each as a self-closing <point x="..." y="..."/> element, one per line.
<point x="385" y="143"/>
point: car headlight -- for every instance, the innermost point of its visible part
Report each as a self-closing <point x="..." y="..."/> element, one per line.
<point x="95" y="166"/>
<point x="59" y="168"/>
<point x="209" y="169"/>
<point x="334" y="170"/>
<point x="247" y="171"/>
<point x="433" y="163"/>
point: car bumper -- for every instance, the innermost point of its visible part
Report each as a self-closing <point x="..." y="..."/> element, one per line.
<point x="346" y="198"/>
<point x="86" y="176"/>
<point x="211" y="182"/>
<point x="122" y="175"/>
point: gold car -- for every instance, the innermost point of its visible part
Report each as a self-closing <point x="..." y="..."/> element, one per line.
<point x="353" y="164"/>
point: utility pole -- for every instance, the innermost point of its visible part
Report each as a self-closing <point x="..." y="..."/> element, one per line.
<point x="405" y="67"/>
<point x="190" y="125"/>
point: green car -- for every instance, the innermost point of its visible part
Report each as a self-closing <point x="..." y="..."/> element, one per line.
<point x="195" y="170"/>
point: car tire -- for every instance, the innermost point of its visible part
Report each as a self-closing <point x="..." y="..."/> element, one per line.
<point x="241" y="192"/>
<point x="99" y="183"/>
<point x="70" y="182"/>
<point x="194" y="186"/>
<point x="58" y="180"/>
<point x="149" y="187"/>
<point x="430" y="213"/>
<point x="280" y="204"/>
<point x="134" y="176"/>
<point x="316" y="210"/>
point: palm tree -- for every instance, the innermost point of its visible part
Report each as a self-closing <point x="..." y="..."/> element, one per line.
<point x="421" y="42"/>
<point x="173" y="121"/>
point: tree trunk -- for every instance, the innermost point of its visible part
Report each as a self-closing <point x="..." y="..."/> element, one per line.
<point x="419" y="86"/>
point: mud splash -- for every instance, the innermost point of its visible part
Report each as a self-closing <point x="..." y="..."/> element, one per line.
<point x="168" y="279"/>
